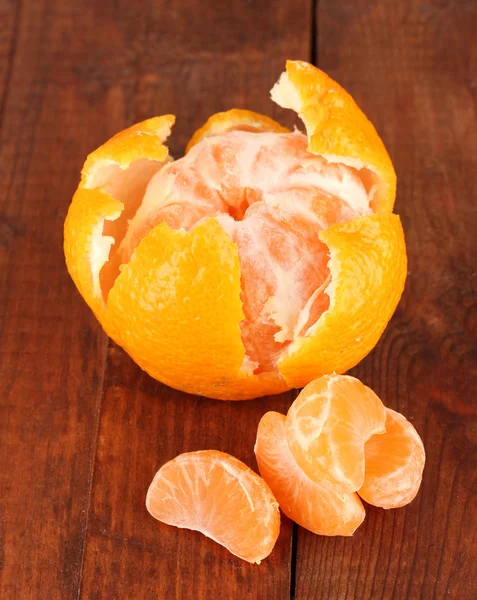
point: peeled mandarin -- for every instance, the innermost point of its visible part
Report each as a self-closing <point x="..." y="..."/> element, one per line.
<point x="260" y="260"/>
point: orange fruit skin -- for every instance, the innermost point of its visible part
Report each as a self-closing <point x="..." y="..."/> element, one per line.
<point x="176" y="308"/>
<point x="394" y="464"/>
<point x="368" y="265"/>
<point x="235" y="119"/>
<point x="93" y="204"/>
<point x="312" y="506"/>
<point x="338" y="129"/>
<point x="142" y="140"/>
<point x="214" y="493"/>
<point x="327" y="427"/>
<point x="87" y="213"/>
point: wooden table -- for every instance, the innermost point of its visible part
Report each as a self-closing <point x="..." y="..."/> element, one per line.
<point x="82" y="429"/>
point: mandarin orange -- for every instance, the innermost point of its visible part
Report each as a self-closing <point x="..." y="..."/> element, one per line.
<point x="260" y="260"/>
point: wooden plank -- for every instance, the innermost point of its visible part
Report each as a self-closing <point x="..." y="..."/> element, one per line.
<point x="10" y="19"/>
<point x="52" y="352"/>
<point x="194" y="63"/>
<point x="411" y="66"/>
<point x="144" y="424"/>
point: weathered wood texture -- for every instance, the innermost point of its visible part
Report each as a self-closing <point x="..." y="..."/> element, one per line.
<point x="73" y="521"/>
<point x="412" y="67"/>
<point x="82" y="429"/>
<point x="193" y="62"/>
<point x="52" y="353"/>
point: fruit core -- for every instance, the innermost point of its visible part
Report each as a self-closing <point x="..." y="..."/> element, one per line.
<point x="272" y="197"/>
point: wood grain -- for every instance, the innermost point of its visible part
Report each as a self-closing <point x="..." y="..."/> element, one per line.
<point x="81" y="72"/>
<point x="83" y="430"/>
<point x="143" y="424"/>
<point x="411" y="66"/>
<point x="51" y="351"/>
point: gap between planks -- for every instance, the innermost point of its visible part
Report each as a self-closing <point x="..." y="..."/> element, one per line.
<point x="314" y="61"/>
<point x="91" y="467"/>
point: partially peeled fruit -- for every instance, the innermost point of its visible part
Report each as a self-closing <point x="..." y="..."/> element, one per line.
<point x="260" y="260"/>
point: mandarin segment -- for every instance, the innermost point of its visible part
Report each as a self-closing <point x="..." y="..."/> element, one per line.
<point x="394" y="464"/>
<point x="214" y="493"/>
<point x="314" y="507"/>
<point x="327" y="427"/>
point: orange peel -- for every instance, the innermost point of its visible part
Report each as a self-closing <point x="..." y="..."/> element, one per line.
<point x="368" y="269"/>
<point x="235" y="119"/>
<point x="337" y="128"/>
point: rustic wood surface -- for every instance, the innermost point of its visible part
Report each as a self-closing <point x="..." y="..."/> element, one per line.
<point x="82" y="429"/>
